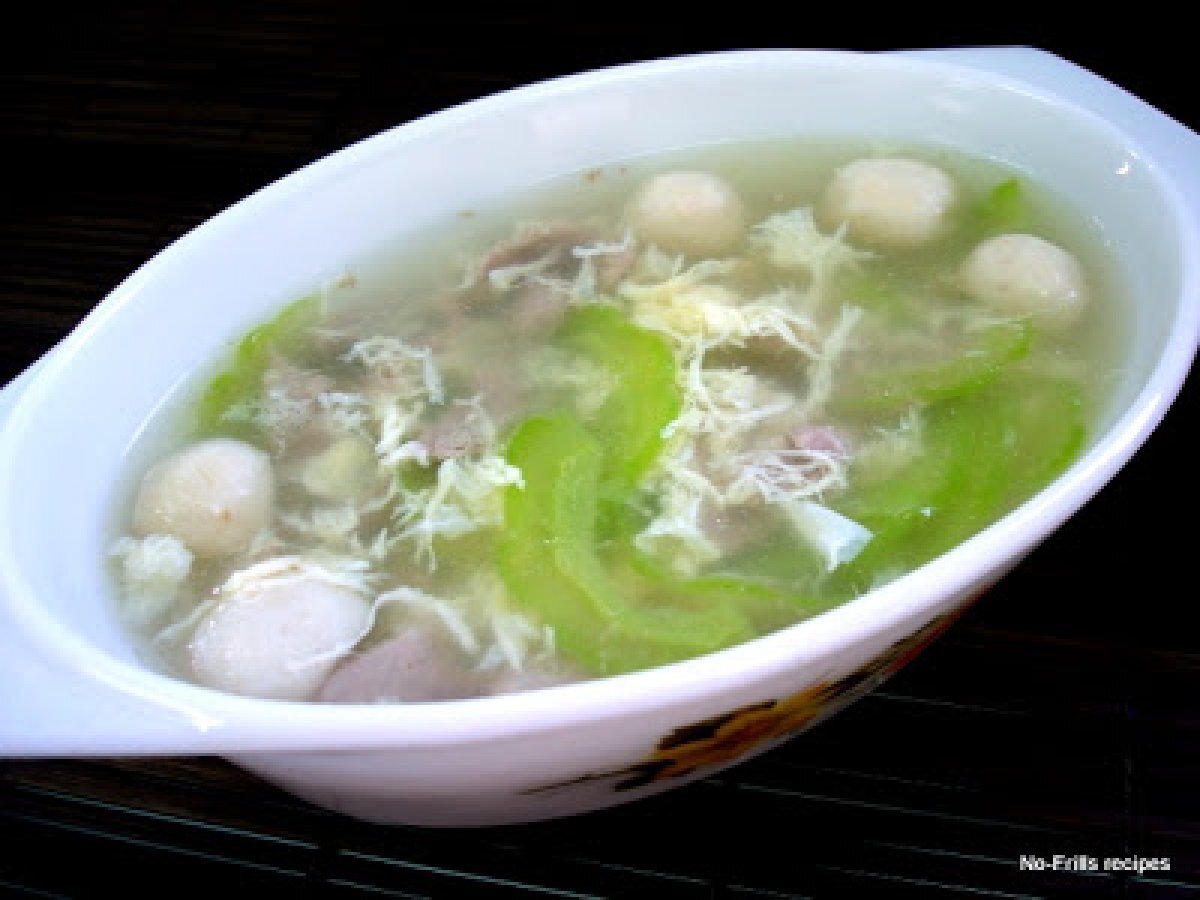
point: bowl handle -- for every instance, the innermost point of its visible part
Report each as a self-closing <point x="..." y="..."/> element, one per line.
<point x="32" y="697"/>
<point x="46" y="711"/>
<point x="1174" y="145"/>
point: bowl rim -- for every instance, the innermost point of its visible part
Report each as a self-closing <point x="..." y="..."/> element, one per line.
<point x="241" y="722"/>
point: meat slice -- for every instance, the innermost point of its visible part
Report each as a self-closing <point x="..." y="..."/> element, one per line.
<point x="420" y="663"/>
<point x="538" y="309"/>
<point x="612" y="267"/>
<point x="536" y="674"/>
<point x="296" y="382"/>
<point x="563" y="245"/>
<point x="824" y="439"/>
<point x="455" y="433"/>
<point x="532" y="243"/>
<point x="288" y="401"/>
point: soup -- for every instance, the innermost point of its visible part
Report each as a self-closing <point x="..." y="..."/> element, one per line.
<point x="645" y="413"/>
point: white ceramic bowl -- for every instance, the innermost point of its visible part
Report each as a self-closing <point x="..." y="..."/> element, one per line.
<point x="70" y="684"/>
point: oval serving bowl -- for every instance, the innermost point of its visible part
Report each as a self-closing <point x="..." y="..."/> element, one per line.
<point x="70" y="681"/>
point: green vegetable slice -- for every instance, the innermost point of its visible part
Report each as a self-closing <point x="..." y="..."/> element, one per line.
<point x="992" y="348"/>
<point x="1005" y="208"/>
<point x="767" y="605"/>
<point x="1051" y="413"/>
<point x="241" y="379"/>
<point x="550" y="559"/>
<point x="566" y="552"/>
<point x="877" y="291"/>
<point x="644" y="399"/>
<point x="983" y="454"/>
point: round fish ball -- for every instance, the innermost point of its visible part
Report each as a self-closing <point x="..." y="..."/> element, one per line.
<point x="1021" y="274"/>
<point x="277" y="640"/>
<point x="688" y="212"/>
<point x="889" y="201"/>
<point x="213" y="496"/>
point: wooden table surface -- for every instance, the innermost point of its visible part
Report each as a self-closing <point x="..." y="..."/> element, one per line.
<point x="1060" y="716"/>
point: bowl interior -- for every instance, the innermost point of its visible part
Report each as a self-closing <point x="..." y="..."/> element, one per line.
<point x="69" y="442"/>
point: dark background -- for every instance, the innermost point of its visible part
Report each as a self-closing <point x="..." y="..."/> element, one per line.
<point x="1061" y="715"/>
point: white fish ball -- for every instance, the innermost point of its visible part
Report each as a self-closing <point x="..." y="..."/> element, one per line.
<point x="889" y="201"/>
<point x="214" y="496"/>
<point x="277" y="640"/>
<point x="1021" y="274"/>
<point x="688" y="212"/>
